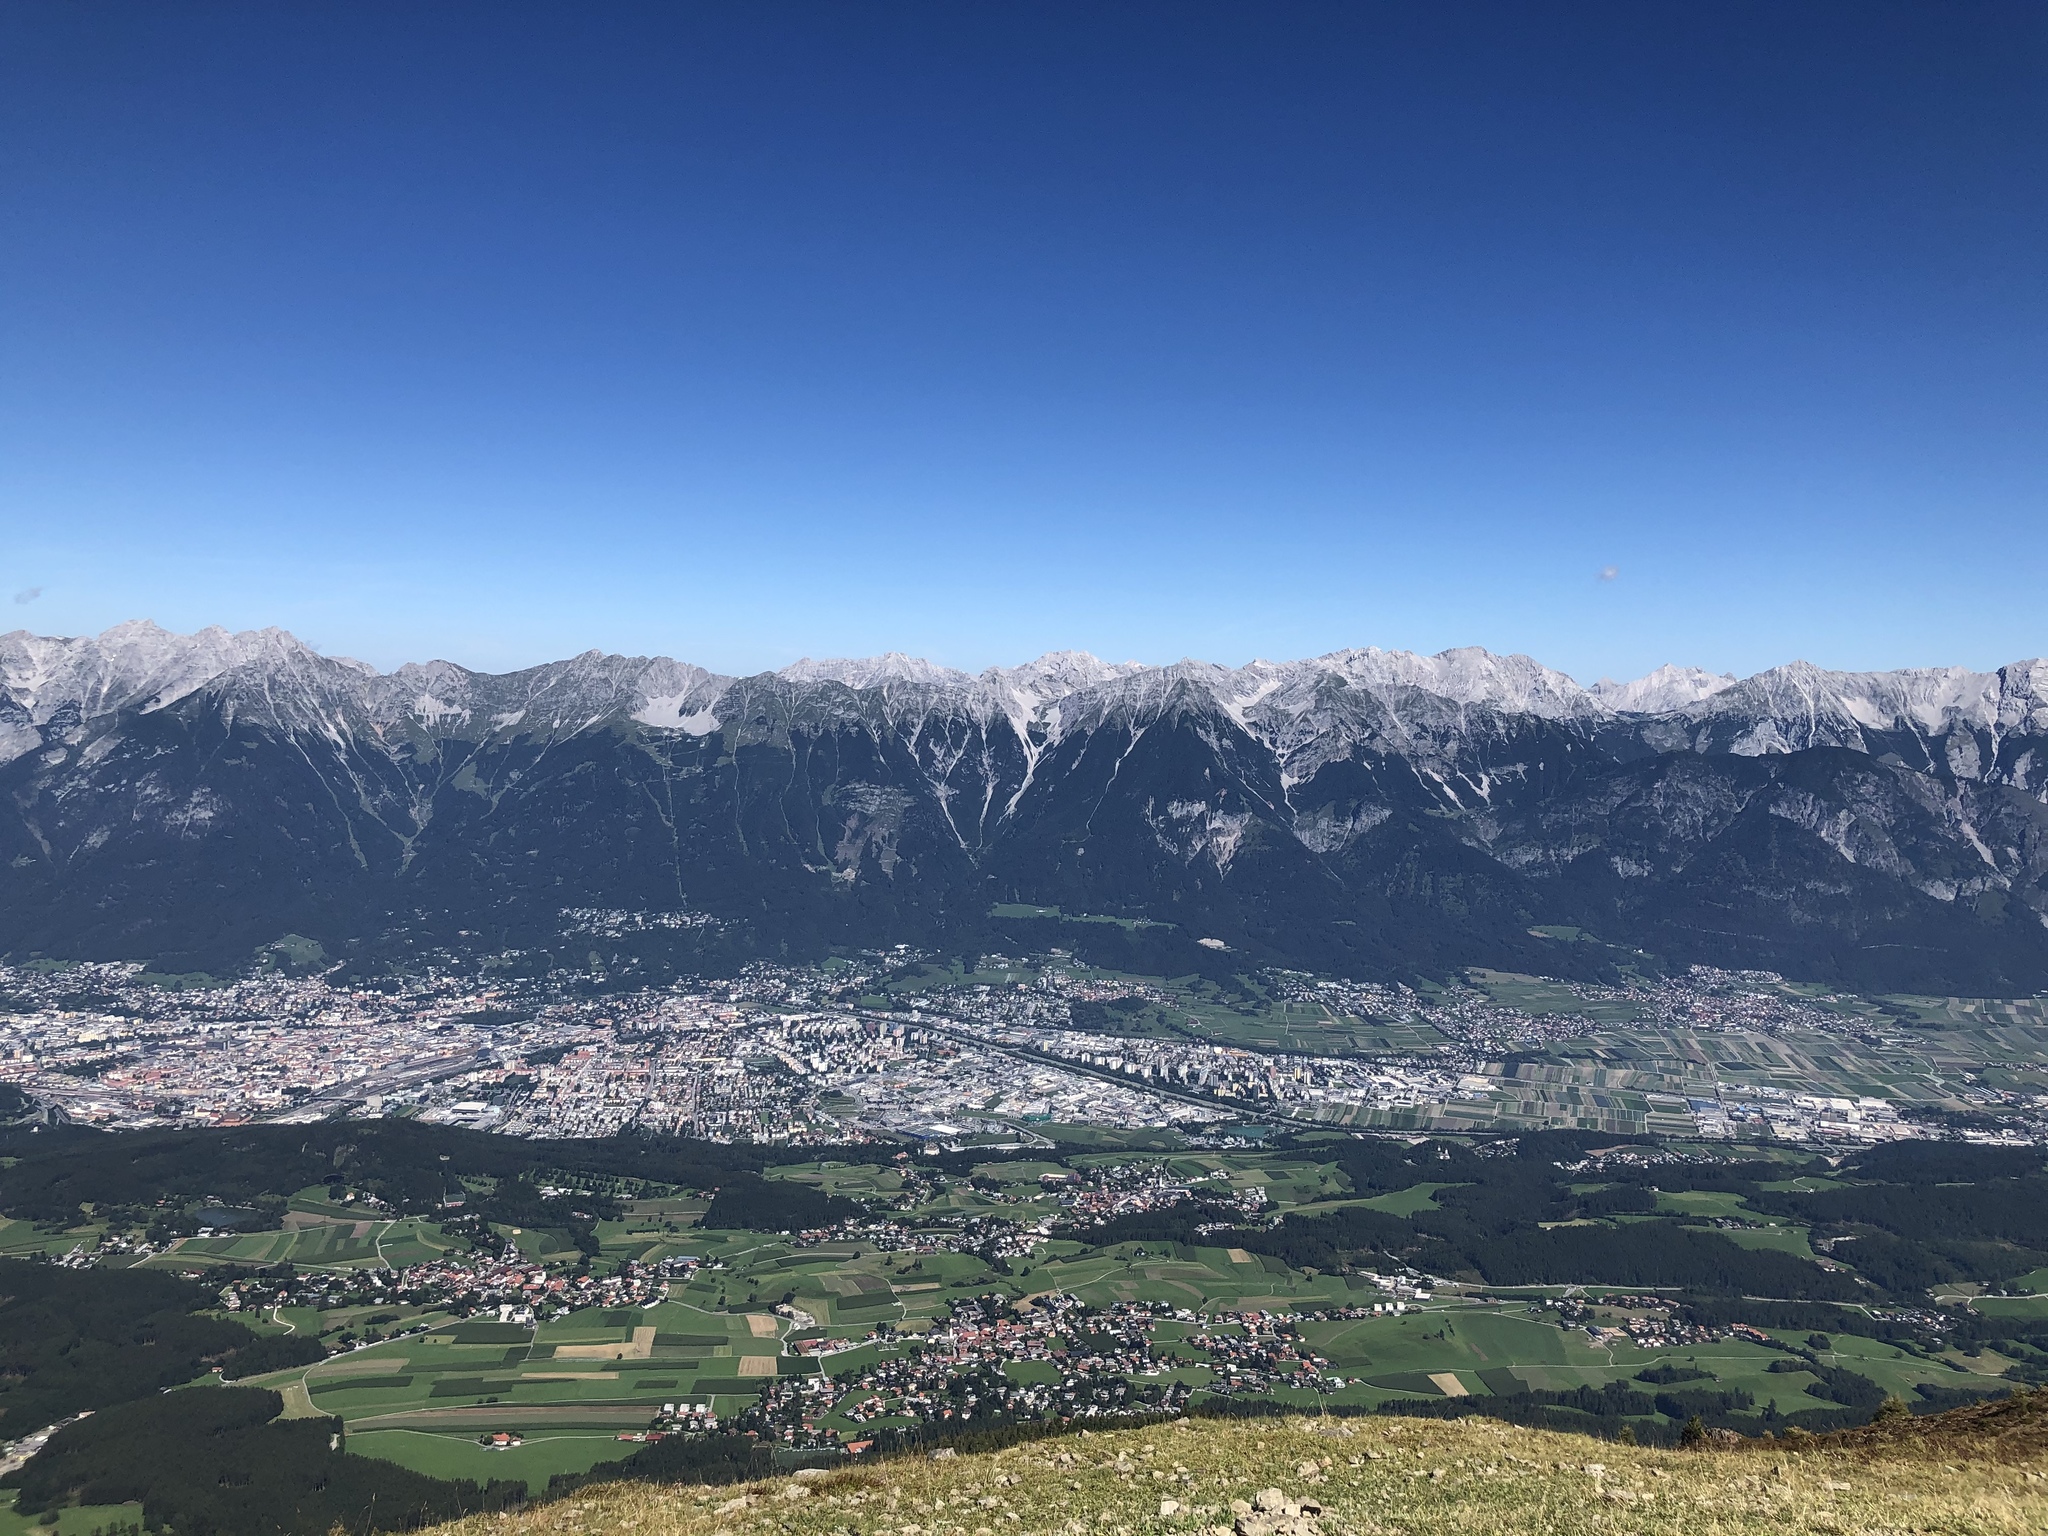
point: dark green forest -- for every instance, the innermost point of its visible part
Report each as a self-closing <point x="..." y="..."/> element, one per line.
<point x="73" y="1339"/>
<point x="221" y="1463"/>
<point x="1910" y="1224"/>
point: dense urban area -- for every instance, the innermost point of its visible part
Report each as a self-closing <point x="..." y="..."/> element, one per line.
<point x="893" y="1046"/>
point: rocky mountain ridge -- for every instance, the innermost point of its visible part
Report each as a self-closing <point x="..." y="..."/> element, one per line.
<point x="1368" y="809"/>
<point x="140" y="666"/>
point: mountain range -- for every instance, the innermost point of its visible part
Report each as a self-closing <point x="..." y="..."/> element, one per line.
<point x="189" y="799"/>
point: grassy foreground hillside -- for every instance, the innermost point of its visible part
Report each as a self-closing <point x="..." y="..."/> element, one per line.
<point x="1976" y="1470"/>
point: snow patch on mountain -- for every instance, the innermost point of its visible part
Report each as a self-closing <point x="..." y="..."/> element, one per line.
<point x="669" y="713"/>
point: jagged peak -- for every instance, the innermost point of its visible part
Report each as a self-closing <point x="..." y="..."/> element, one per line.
<point x="1923" y="696"/>
<point x="1075" y="668"/>
<point x="874" y="671"/>
<point x="1662" y="689"/>
<point x="139" y="664"/>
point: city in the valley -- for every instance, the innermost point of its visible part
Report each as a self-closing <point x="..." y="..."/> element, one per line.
<point x="892" y="1046"/>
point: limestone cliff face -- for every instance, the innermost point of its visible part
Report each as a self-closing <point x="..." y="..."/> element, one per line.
<point x="1364" y="810"/>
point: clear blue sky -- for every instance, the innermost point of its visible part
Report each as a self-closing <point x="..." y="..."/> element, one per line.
<point x="747" y="331"/>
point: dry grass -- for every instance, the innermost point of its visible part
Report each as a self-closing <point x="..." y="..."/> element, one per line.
<point x="2010" y="1429"/>
<point x="1374" y="1477"/>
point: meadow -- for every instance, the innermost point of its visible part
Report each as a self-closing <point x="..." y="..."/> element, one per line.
<point x="1304" y="1475"/>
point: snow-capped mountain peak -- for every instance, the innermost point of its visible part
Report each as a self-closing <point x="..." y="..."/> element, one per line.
<point x="1661" y="691"/>
<point x="874" y="671"/>
<point x="1467" y="674"/>
<point x="134" y="665"/>
<point x="1309" y="711"/>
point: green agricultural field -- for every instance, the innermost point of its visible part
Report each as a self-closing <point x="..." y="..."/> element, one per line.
<point x="1890" y="1367"/>
<point x="77" y="1520"/>
<point x="1291" y="1182"/>
<point x="1701" y="1202"/>
<point x="1541" y="995"/>
<point x="550" y="1245"/>
<point x="1627" y="1063"/>
<point x="1195" y="1008"/>
<point x="1185" y="1277"/>
<point x="1498" y="1350"/>
<point x="415" y="1242"/>
<point x="1404" y="1202"/>
<point x="855" y="1181"/>
<point x="1110" y="1137"/>
<point x="457" y="1455"/>
<point x="682" y="1210"/>
<point x="653" y="1229"/>
<point x="1783" y="1236"/>
<point x="2035" y="1305"/>
<point x="20" y="1239"/>
<point x="1224" y="1171"/>
<point x="1972" y="1013"/>
<point x="255" y="1247"/>
<point x="316" y="1244"/>
<point x="1023" y="1175"/>
<point x="1403" y="1351"/>
<point x="576" y="1380"/>
<point x="314" y="1201"/>
<point x="1268" y="1023"/>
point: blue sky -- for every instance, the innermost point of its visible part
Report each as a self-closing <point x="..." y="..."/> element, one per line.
<point x="744" y="332"/>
